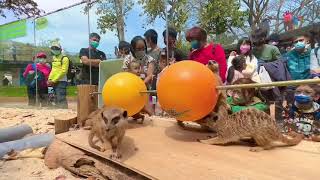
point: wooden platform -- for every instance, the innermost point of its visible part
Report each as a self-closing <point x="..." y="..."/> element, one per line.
<point x="164" y="151"/>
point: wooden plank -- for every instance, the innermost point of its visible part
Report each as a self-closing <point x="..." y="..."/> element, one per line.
<point x="164" y="151"/>
<point x="86" y="102"/>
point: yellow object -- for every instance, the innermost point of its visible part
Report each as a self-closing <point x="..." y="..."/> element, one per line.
<point x="187" y="90"/>
<point x="59" y="70"/>
<point x="123" y="90"/>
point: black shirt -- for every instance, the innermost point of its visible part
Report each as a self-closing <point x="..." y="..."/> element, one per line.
<point x="178" y="54"/>
<point x="85" y="74"/>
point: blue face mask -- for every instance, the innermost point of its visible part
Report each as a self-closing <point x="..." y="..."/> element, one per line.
<point x="299" y="45"/>
<point x="195" y="44"/>
<point x="302" y="99"/>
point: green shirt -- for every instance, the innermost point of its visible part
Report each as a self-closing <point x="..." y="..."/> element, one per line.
<point x="257" y="103"/>
<point x="268" y="53"/>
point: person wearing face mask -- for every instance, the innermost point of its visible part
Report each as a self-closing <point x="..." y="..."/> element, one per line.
<point x="94" y="58"/>
<point x="244" y="48"/>
<point x="58" y="75"/>
<point x="175" y="54"/>
<point x="304" y="114"/>
<point x="139" y="53"/>
<point x="151" y="37"/>
<point x="299" y="59"/>
<point x="240" y="99"/>
<point x="40" y="70"/>
<point x="203" y="52"/>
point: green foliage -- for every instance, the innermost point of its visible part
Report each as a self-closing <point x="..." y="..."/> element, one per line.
<point x="219" y="15"/>
<point x="26" y="51"/>
<point x="112" y="14"/>
<point x="177" y="15"/>
<point x="224" y="39"/>
<point x="19" y="7"/>
<point x="21" y="91"/>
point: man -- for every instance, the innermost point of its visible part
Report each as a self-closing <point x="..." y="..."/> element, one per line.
<point x="151" y="38"/>
<point x="95" y="57"/>
<point x="264" y="52"/>
<point x="298" y="60"/>
<point x="175" y="54"/>
<point x="58" y="75"/>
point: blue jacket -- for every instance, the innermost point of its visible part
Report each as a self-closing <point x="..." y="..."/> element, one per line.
<point x="298" y="64"/>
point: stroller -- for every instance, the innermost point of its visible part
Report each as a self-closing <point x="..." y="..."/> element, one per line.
<point x="51" y="98"/>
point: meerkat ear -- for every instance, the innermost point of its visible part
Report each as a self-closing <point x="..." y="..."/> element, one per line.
<point x="125" y="114"/>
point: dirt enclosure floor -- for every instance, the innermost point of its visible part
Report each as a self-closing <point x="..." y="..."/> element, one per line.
<point x="164" y="151"/>
<point x="31" y="167"/>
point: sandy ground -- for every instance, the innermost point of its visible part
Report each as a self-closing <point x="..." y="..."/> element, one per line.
<point x="30" y="168"/>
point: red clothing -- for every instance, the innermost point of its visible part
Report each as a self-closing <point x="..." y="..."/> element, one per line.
<point x="217" y="54"/>
<point x="44" y="68"/>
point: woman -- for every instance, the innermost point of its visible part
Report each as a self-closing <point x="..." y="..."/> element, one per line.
<point x="38" y="71"/>
<point x="202" y="51"/>
<point x="244" y="48"/>
<point x="139" y="53"/>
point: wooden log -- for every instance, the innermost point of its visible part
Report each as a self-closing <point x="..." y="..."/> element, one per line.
<point x="87" y="102"/>
<point x="14" y="133"/>
<point x="63" y="122"/>
<point x="35" y="141"/>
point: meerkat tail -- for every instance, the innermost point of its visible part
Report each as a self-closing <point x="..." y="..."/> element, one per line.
<point x="91" y="143"/>
<point x="296" y="139"/>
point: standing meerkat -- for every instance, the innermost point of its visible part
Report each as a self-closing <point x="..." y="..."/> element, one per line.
<point x="248" y="123"/>
<point x="109" y="125"/>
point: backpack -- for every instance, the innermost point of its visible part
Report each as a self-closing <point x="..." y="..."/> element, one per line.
<point x="31" y="79"/>
<point x="70" y="68"/>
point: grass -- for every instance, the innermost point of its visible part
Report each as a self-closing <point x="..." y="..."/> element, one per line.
<point x="21" y="91"/>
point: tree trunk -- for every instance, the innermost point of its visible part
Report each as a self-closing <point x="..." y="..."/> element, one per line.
<point x="63" y="122"/>
<point x="120" y="19"/>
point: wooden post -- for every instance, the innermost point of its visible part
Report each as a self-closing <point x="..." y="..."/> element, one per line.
<point x="63" y="122"/>
<point x="87" y="102"/>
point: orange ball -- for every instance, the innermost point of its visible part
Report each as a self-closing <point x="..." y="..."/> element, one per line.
<point x="187" y="90"/>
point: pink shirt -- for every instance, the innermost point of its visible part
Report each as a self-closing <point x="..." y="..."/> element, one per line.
<point x="209" y="53"/>
<point x="44" y="68"/>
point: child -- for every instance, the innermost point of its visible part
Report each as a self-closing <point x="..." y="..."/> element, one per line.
<point x="240" y="99"/>
<point x="135" y="67"/>
<point x="37" y="72"/>
<point x="235" y="71"/>
<point x="304" y="114"/>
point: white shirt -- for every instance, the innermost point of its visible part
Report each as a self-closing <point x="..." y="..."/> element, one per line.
<point x="251" y="70"/>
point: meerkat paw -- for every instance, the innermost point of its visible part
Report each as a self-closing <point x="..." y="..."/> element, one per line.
<point x="115" y="156"/>
<point x="102" y="149"/>
<point x="256" y="149"/>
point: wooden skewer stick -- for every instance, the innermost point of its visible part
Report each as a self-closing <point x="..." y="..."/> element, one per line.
<point x="277" y="84"/>
<point x="256" y="85"/>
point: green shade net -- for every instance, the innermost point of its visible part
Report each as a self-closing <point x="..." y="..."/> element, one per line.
<point x="13" y="30"/>
<point x="106" y="70"/>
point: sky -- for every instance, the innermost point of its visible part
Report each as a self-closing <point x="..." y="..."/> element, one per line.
<point x="70" y="26"/>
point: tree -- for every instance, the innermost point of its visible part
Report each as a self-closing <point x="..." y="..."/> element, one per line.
<point x="218" y="16"/>
<point x="112" y="16"/>
<point x="177" y="14"/>
<point x="19" y="7"/>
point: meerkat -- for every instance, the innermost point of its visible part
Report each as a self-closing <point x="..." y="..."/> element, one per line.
<point x="109" y="125"/>
<point x="214" y="67"/>
<point x="249" y="123"/>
